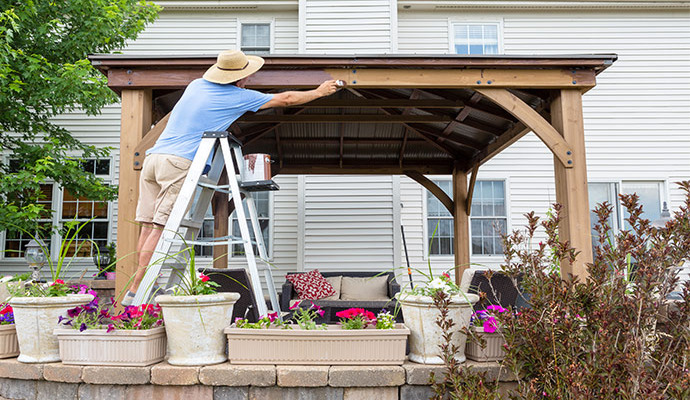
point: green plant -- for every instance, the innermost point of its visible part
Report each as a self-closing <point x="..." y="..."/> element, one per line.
<point x="263" y="323"/>
<point x="192" y="284"/>
<point x="304" y="318"/>
<point x="96" y="316"/>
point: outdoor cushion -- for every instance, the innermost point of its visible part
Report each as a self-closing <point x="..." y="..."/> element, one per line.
<point x="311" y="285"/>
<point x="335" y="281"/>
<point x="374" y="288"/>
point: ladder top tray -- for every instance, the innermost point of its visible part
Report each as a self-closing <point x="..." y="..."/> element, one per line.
<point x="259" y="186"/>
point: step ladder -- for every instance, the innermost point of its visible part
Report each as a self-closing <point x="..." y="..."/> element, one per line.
<point x="183" y="227"/>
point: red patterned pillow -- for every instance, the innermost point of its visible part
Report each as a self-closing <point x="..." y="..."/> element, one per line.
<point x="311" y="285"/>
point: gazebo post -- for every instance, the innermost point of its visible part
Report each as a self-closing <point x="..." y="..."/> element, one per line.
<point x="461" y="223"/>
<point x="136" y="121"/>
<point x="571" y="183"/>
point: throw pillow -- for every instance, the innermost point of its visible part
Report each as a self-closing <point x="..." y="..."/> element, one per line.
<point x="375" y="288"/>
<point x="311" y="285"/>
<point x="335" y="281"/>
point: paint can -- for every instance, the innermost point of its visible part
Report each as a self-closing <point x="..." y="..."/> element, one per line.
<point x="257" y="167"/>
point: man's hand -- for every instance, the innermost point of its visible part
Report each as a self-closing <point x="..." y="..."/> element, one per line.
<point x="328" y="88"/>
<point x="293" y="98"/>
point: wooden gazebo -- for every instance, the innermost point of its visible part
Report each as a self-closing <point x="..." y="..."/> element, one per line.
<point x="407" y="115"/>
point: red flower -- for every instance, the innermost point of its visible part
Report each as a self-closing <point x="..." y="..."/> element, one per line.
<point x="7" y="309"/>
<point x="58" y="282"/>
<point x="203" y="278"/>
<point x="446" y="275"/>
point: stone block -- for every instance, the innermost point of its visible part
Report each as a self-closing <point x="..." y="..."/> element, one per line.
<point x="494" y="370"/>
<point x="418" y="374"/>
<point x="238" y="375"/>
<point x="230" y="393"/>
<point x="102" y="392"/>
<point x="302" y="375"/>
<point x="166" y="374"/>
<point x="302" y="393"/>
<point x="11" y="368"/>
<point x="17" y="389"/>
<point x="366" y="376"/>
<point x="156" y="392"/>
<point x="116" y="375"/>
<point x="415" y="392"/>
<point x="59" y="372"/>
<point x="57" y="390"/>
<point x="379" y="393"/>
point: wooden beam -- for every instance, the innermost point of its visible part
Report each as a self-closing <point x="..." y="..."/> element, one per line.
<point x="433" y="188"/>
<point x="378" y="103"/>
<point x="503" y="142"/>
<point x="460" y="140"/>
<point x="342" y="142"/>
<point x="542" y="128"/>
<point x="461" y="223"/>
<point x="136" y="114"/>
<point x="571" y="183"/>
<point x="426" y="168"/>
<point x="148" y="141"/>
<point x="174" y="78"/>
<point x="346" y="141"/>
<point x="279" y="146"/>
<point x="470" y="190"/>
<point x="349" y="118"/>
<point x="221" y="213"/>
<point x="402" y="146"/>
<point x="247" y="141"/>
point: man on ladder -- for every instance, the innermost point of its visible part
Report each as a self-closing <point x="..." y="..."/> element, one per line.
<point x="208" y="104"/>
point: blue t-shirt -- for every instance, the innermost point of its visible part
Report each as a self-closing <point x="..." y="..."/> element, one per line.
<point x="204" y="106"/>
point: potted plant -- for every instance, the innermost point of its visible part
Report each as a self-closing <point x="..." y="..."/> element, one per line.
<point x="92" y="335"/>
<point x="9" y="347"/>
<point x="486" y="341"/>
<point x="361" y="338"/>
<point x="37" y="306"/>
<point x="195" y="316"/>
<point x="421" y="314"/>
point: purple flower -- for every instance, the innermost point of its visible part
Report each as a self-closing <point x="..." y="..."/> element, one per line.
<point x="496" y="308"/>
<point x="82" y="327"/>
<point x="73" y="312"/>
<point x="111" y="328"/>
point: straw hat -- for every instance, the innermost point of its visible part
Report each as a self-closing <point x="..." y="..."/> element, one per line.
<point x="232" y="66"/>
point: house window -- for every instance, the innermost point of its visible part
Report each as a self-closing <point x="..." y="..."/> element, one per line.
<point x="68" y="207"/>
<point x="256" y="38"/>
<point x="262" y="200"/>
<point x="475" y="38"/>
<point x="487" y="222"/>
<point x="650" y="197"/>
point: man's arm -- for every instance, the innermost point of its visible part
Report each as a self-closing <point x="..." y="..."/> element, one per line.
<point x="293" y="98"/>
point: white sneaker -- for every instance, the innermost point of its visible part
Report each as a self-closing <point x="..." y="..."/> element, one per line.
<point x="128" y="299"/>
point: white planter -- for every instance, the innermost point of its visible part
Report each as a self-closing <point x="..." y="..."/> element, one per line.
<point x="9" y="347"/>
<point x="194" y="326"/>
<point x="134" y="348"/>
<point x="36" y="318"/>
<point x="425" y="335"/>
<point x="334" y="346"/>
<point x="493" y="351"/>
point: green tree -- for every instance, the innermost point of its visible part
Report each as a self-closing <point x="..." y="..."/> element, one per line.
<point x="44" y="72"/>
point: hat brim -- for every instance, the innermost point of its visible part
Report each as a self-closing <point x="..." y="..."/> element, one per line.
<point x="217" y="75"/>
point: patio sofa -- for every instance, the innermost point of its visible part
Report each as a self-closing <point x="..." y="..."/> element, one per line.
<point x="358" y="283"/>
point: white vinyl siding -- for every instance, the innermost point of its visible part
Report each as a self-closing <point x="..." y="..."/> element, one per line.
<point x="348" y="27"/>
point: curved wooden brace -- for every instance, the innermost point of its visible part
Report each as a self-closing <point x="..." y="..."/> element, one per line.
<point x="435" y="190"/>
<point x="541" y="127"/>
<point x="148" y="141"/>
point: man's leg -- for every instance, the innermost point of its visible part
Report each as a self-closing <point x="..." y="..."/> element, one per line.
<point x="148" y="240"/>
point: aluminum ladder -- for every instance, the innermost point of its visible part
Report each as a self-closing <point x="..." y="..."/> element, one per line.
<point x="181" y="230"/>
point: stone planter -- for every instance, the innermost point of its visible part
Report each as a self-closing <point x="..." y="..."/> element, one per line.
<point x="425" y="336"/>
<point x="493" y="351"/>
<point x="36" y="318"/>
<point x="194" y="327"/>
<point x="334" y="346"/>
<point x="9" y="347"/>
<point x="120" y="347"/>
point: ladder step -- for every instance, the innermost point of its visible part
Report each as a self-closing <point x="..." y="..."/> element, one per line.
<point x="190" y="223"/>
<point x="207" y="242"/>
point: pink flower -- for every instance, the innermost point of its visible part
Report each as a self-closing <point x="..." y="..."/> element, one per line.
<point x="446" y="275"/>
<point x="490" y="325"/>
<point x="292" y="307"/>
<point x="203" y="278"/>
<point x="272" y="316"/>
<point x="58" y="282"/>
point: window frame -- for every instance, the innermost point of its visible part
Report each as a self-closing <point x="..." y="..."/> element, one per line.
<point x="451" y="32"/>
<point x="487" y="258"/>
<point x="258" y="21"/>
<point x="620" y="217"/>
<point x="57" y="220"/>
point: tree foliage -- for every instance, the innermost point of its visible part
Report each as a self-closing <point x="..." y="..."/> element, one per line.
<point x="44" y="72"/>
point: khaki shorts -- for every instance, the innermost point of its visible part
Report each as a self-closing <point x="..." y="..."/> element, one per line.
<point x="161" y="178"/>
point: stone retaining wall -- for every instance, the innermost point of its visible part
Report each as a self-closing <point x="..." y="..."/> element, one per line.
<point x="57" y="381"/>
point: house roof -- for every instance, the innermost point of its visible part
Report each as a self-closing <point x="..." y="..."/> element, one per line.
<point x="398" y="113"/>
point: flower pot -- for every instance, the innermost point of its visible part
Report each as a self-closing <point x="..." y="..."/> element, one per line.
<point x="9" y="347"/>
<point x="110" y="276"/>
<point x="333" y="346"/>
<point x="136" y="348"/>
<point x="493" y="351"/>
<point x="194" y="327"/>
<point x="36" y="318"/>
<point x="425" y="335"/>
